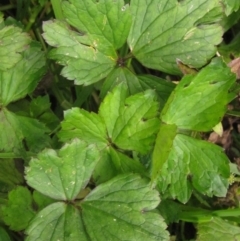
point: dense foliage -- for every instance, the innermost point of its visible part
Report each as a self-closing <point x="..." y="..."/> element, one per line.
<point x="105" y="112"/>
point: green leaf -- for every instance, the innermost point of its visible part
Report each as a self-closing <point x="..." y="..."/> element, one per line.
<point x="194" y="164"/>
<point x="18" y="211"/>
<point x="16" y="128"/>
<point x="162" y="149"/>
<point x="170" y="30"/>
<point x="40" y="108"/>
<point x="9" y="173"/>
<point x="41" y="200"/>
<point x="110" y="108"/>
<point x="114" y="163"/>
<point x="162" y="87"/>
<point x="131" y="122"/>
<point x="119" y="210"/>
<point x="4" y="235"/>
<point x="105" y="23"/>
<point x="100" y="29"/>
<point x="231" y="6"/>
<point x="199" y="102"/>
<point x="170" y="211"/>
<point x="72" y="54"/>
<point x="218" y="230"/>
<point x="30" y="69"/>
<point x="62" y="174"/>
<point x="58" y="221"/>
<point x="12" y="42"/>
<point x="86" y="126"/>
<point x="119" y="75"/>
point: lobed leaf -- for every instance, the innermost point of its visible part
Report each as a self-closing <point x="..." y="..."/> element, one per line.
<point x="218" y="229"/>
<point x="119" y="209"/>
<point x="18" y="211"/>
<point x="114" y="163"/>
<point x="105" y="23"/>
<point x="168" y="30"/>
<point x="84" y="64"/>
<point x="63" y="174"/>
<point x="131" y="122"/>
<point x="89" y="51"/>
<point x="86" y="126"/>
<point x="231" y="6"/>
<point x="30" y="68"/>
<point x="199" y="102"/>
<point x="58" y="221"/>
<point x="122" y="75"/>
<point x="195" y="164"/>
<point x="12" y="42"/>
<point x="16" y="128"/>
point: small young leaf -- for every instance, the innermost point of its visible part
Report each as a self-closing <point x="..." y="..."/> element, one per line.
<point x="62" y="174"/>
<point x="199" y="102"/>
<point x="18" y="212"/>
<point x="195" y="164"/>
<point x="13" y="42"/>
<point x="218" y="229"/>
<point x="164" y="31"/>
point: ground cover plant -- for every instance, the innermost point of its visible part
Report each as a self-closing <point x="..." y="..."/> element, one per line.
<point x="106" y="113"/>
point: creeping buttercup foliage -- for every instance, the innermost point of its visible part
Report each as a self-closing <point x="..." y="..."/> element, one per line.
<point x="77" y="169"/>
<point x="116" y="209"/>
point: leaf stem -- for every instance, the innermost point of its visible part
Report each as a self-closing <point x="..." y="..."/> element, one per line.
<point x="57" y="9"/>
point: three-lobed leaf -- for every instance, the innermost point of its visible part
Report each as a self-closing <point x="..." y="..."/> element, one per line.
<point x="131" y="122"/>
<point x="116" y="210"/>
<point x="63" y="174"/>
<point x="127" y="122"/>
<point x="100" y="29"/>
